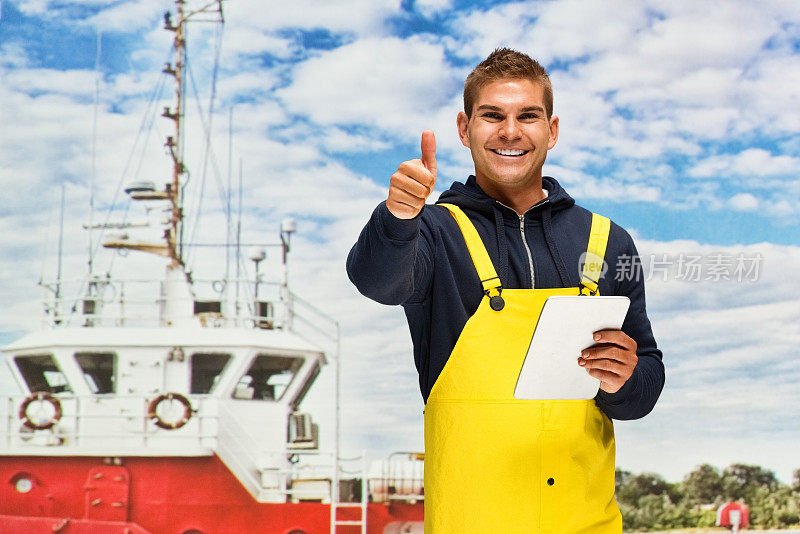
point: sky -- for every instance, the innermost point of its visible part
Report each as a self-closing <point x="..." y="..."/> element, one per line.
<point x="678" y="120"/>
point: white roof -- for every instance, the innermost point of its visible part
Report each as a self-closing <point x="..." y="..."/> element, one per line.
<point x="163" y="337"/>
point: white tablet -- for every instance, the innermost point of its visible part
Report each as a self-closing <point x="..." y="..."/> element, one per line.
<point x="566" y="326"/>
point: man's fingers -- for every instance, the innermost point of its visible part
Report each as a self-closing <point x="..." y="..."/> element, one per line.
<point x="602" y="351"/>
<point x="407" y="198"/>
<point x="417" y="171"/>
<point x="609" y="382"/>
<point x="617" y="337"/>
<point x="429" y="151"/>
<point x="409" y="185"/>
<point x="604" y="364"/>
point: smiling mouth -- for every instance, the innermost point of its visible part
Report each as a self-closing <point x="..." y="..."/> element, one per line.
<point x="508" y="152"/>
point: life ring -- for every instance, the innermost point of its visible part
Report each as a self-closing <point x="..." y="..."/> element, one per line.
<point x="40" y="396"/>
<point x="152" y="411"/>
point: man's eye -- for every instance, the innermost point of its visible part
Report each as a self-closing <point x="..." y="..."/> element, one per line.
<point x="492" y="115"/>
<point x="528" y="116"/>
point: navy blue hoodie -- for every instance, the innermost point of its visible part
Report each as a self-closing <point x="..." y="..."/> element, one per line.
<point x="424" y="265"/>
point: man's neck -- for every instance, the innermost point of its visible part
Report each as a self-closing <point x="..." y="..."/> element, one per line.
<point x="520" y="200"/>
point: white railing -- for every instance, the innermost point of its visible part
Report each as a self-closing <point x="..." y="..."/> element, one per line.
<point x="111" y="424"/>
<point x="141" y="302"/>
<point x="402" y="478"/>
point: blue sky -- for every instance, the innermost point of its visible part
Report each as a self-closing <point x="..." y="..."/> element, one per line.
<point x="679" y="121"/>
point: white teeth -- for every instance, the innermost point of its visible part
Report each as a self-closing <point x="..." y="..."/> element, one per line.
<point x="506" y="152"/>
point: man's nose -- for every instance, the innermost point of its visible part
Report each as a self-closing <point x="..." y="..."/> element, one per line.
<point x="509" y="128"/>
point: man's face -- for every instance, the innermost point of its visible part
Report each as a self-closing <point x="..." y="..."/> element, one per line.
<point x="509" y="135"/>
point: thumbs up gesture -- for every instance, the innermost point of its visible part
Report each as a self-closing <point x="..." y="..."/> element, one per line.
<point x="413" y="182"/>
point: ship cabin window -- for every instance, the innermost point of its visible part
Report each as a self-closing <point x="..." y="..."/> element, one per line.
<point x="267" y="378"/>
<point x="206" y="368"/>
<point x="41" y="373"/>
<point x="99" y="370"/>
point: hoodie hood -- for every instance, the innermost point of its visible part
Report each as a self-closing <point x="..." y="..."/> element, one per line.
<point x="469" y="195"/>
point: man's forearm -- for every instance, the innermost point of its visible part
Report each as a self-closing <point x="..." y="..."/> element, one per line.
<point x="382" y="262"/>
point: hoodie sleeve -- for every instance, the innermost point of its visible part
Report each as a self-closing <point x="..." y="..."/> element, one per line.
<point x="637" y="397"/>
<point x="390" y="262"/>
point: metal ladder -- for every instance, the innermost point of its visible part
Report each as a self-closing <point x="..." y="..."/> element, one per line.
<point x="336" y="504"/>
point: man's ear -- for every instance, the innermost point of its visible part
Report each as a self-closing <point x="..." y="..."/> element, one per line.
<point x="551" y="142"/>
<point x="463" y="131"/>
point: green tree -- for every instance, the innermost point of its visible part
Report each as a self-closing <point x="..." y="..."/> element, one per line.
<point x="635" y="487"/>
<point x="647" y="502"/>
<point x="741" y="481"/>
<point x="621" y="477"/>
<point x="775" y="509"/>
<point x="702" y="486"/>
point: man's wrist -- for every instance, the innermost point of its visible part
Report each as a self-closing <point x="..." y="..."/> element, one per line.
<point x="395" y="228"/>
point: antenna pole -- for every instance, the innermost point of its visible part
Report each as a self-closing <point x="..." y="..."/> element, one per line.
<point x="94" y="152"/>
<point x="239" y="244"/>
<point x="60" y="256"/>
<point x="228" y="220"/>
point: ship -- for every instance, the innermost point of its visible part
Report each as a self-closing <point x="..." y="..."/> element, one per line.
<point x="173" y="405"/>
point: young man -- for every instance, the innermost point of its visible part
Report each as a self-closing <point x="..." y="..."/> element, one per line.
<point x="472" y="273"/>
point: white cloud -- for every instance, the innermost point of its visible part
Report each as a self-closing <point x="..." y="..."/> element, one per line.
<point x="73" y="83"/>
<point x="582" y="185"/>
<point x="429" y="8"/>
<point x="363" y="17"/>
<point x="755" y="162"/>
<point x="386" y="83"/>
<point x="743" y="202"/>
<point x="109" y="15"/>
<point x="784" y="209"/>
<point x="128" y="17"/>
<point x="13" y="55"/>
<point x="337" y="140"/>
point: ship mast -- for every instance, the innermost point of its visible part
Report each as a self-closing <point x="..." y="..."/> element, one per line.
<point x="172" y="247"/>
<point x="175" y="143"/>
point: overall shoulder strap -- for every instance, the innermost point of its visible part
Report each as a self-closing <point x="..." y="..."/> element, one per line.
<point x="595" y="252"/>
<point x="477" y="250"/>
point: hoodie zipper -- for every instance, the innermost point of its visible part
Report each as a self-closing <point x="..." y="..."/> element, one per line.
<point x="522" y="233"/>
<point x="525" y="244"/>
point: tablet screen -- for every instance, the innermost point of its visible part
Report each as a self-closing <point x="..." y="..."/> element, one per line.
<point x="566" y="326"/>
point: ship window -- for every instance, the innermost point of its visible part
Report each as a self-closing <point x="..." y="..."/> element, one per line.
<point x="206" y="370"/>
<point x="41" y="373"/>
<point x="99" y="370"/>
<point x="312" y="376"/>
<point x="267" y="378"/>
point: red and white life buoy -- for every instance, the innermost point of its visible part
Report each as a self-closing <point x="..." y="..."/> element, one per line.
<point x="38" y="400"/>
<point x="161" y="422"/>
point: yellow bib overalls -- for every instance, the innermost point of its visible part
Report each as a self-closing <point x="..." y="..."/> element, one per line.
<point x="498" y="465"/>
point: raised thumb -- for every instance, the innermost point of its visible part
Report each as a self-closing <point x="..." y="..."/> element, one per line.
<point x="429" y="151"/>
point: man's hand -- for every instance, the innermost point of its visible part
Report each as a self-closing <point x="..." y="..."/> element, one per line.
<point x="413" y="182"/>
<point x="611" y="360"/>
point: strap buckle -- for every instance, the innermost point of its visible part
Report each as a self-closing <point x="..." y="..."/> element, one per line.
<point x="496" y="302"/>
<point x="585" y="290"/>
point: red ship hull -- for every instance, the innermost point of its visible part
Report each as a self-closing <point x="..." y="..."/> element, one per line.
<point x="142" y="495"/>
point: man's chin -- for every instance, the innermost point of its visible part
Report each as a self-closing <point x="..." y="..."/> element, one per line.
<point x="508" y="182"/>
